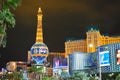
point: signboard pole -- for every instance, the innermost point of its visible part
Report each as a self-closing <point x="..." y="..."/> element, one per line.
<point x="100" y="76"/>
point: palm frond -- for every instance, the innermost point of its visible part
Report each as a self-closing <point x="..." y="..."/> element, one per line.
<point x="7" y="19"/>
<point x="11" y="3"/>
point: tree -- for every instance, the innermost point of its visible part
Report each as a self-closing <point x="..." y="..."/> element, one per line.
<point x="17" y="75"/>
<point x="32" y="71"/>
<point x="49" y="78"/>
<point x="117" y="77"/>
<point x="39" y="72"/>
<point x="53" y="78"/>
<point x="36" y="72"/>
<point x="80" y="75"/>
<point x="7" y="19"/>
<point x="12" y="76"/>
<point x="46" y="78"/>
<point x="64" y="75"/>
<point x="95" y="77"/>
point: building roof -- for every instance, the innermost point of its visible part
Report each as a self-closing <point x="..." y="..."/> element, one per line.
<point x="94" y="28"/>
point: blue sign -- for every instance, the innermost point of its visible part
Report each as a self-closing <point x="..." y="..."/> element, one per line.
<point x="104" y="58"/>
<point x="39" y="53"/>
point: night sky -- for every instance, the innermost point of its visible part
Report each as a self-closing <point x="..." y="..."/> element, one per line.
<point x="61" y="19"/>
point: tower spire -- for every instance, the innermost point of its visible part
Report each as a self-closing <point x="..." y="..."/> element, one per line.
<point x="39" y="33"/>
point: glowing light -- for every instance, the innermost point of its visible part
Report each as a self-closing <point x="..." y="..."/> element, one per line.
<point x="90" y="45"/>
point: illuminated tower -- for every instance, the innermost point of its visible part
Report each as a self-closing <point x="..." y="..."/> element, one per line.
<point x="39" y="51"/>
<point x="93" y="38"/>
<point x="39" y="33"/>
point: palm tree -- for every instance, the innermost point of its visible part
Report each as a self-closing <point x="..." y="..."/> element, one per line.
<point x="36" y="72"/>
<point x="32" y="71"/>
<point x="39" y="72"/>
<point x="7" y="19"/>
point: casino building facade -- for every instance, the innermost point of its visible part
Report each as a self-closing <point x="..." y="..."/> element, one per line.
<point x="92" y="41"/>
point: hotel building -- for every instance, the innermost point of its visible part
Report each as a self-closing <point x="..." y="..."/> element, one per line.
<point x="92" y="41"/>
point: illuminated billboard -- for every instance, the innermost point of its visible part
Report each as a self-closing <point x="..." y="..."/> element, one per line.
<point x="60" y="62"/>
<point x="92" y="59"/>
<point x="118" y="57"/>
<point x="104" y="58"/>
